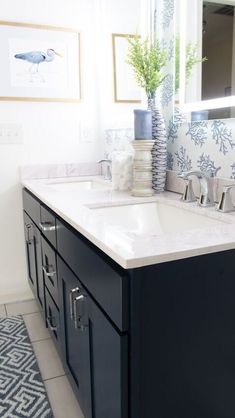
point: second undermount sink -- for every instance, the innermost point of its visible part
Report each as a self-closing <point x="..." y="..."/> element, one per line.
<point x="73" y="186"/>
<point x="154" y="218"/>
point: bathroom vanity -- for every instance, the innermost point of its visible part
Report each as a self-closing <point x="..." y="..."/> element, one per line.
<point x="149" y="336"/>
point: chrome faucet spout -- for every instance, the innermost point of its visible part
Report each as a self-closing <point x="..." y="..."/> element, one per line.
<point x="108" y="172"/>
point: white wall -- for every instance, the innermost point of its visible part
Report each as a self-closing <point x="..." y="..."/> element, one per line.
<point x="51" y="131"/>
<point x="123" y="17"/>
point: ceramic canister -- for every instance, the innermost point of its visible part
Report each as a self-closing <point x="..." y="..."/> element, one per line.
<point x="143" y="124"/>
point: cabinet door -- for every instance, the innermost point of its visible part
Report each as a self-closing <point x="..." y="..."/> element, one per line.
<point x="38" y="255"/>
<point x="30" y="253"/>
<point x="75" y="337"/>
<point x="95" y="354"/>
<point x="108" y="357"/>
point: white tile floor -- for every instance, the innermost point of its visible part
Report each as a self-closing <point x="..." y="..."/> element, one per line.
<point x="60" y="394"/>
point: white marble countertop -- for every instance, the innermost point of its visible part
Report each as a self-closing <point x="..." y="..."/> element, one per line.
<point x="127" y="248"/>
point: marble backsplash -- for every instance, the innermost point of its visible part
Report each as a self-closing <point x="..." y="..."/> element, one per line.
<point x="44" y="171"/>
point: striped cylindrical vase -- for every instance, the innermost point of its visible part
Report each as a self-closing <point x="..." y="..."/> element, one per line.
<point x="159" y="151"/>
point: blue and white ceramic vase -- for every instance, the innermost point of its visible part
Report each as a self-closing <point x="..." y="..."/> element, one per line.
<point x="159" y="151"/>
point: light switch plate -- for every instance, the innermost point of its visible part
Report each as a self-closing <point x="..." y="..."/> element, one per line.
<point x="86" y="133"/>
<point x="11" y="133"/>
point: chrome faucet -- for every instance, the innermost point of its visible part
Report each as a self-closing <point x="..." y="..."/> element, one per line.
<point x="108" y="172"/>
<point x="225" y="204"/>
<point x="206" y="192"/>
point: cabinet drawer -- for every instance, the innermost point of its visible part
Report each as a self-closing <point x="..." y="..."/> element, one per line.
<point x="102" y="277"/>
<point x="47" y="225"/>
<point x="31" y="206"/>
<point x="53" y="319"/>
<point x="49" y="269"/>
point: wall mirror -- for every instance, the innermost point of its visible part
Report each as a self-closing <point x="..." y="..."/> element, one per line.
<point x="205" y="58"/>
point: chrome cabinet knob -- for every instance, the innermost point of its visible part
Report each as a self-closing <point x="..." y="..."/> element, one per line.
<point x="47" y="226"/>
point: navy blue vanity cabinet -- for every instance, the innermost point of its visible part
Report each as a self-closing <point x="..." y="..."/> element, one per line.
<point x="95" y="354"/>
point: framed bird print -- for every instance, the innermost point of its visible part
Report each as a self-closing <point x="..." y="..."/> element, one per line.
<point x="39" y="63"/>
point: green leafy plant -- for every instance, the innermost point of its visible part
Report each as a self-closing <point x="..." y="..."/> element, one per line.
<point x="192" y="59"/>
<point x="148" y="60"/>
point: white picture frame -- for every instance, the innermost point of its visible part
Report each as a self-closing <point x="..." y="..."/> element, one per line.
<point x="39" y="63"/>
<point x="126" y="89"/>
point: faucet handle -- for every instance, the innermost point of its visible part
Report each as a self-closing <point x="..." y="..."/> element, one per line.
<point x="188" y="195"/>
<point x="225" y="204"/>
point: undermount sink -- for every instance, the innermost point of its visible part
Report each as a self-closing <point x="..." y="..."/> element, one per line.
<point x="154" y="218"/>
<point x="71" y="186"/>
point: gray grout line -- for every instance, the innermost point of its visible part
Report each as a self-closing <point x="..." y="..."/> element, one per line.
<point x="20" y="301"/>
<point x="51" y="378"/>
<point x="29" y="313"/>
<point x="5" y="306"/>
<point x="42" y="339"/>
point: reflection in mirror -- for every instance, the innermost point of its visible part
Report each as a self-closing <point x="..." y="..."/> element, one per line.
<point x="206" y="55"/>
<point x="217" y="46"/>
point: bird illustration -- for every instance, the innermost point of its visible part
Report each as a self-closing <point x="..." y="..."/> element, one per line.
<point x="37" y="57"/>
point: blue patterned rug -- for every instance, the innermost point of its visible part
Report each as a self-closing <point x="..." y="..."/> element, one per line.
<point x="22" y="391"/>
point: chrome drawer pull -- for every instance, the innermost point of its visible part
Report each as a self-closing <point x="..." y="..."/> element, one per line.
<point x="79" y="311"/>
<point x="49" y="323"/>
<point x="72" y="294"/>
<point x="47" y="226"/>
<point x="28" y="240"/>
<point x="48" y="273"/>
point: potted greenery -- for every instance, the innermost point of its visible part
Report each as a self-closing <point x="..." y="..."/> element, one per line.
<point x="148" y="60"/>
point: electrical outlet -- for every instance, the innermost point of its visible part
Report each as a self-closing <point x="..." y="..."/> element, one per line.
<point x="11" y="133"/>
